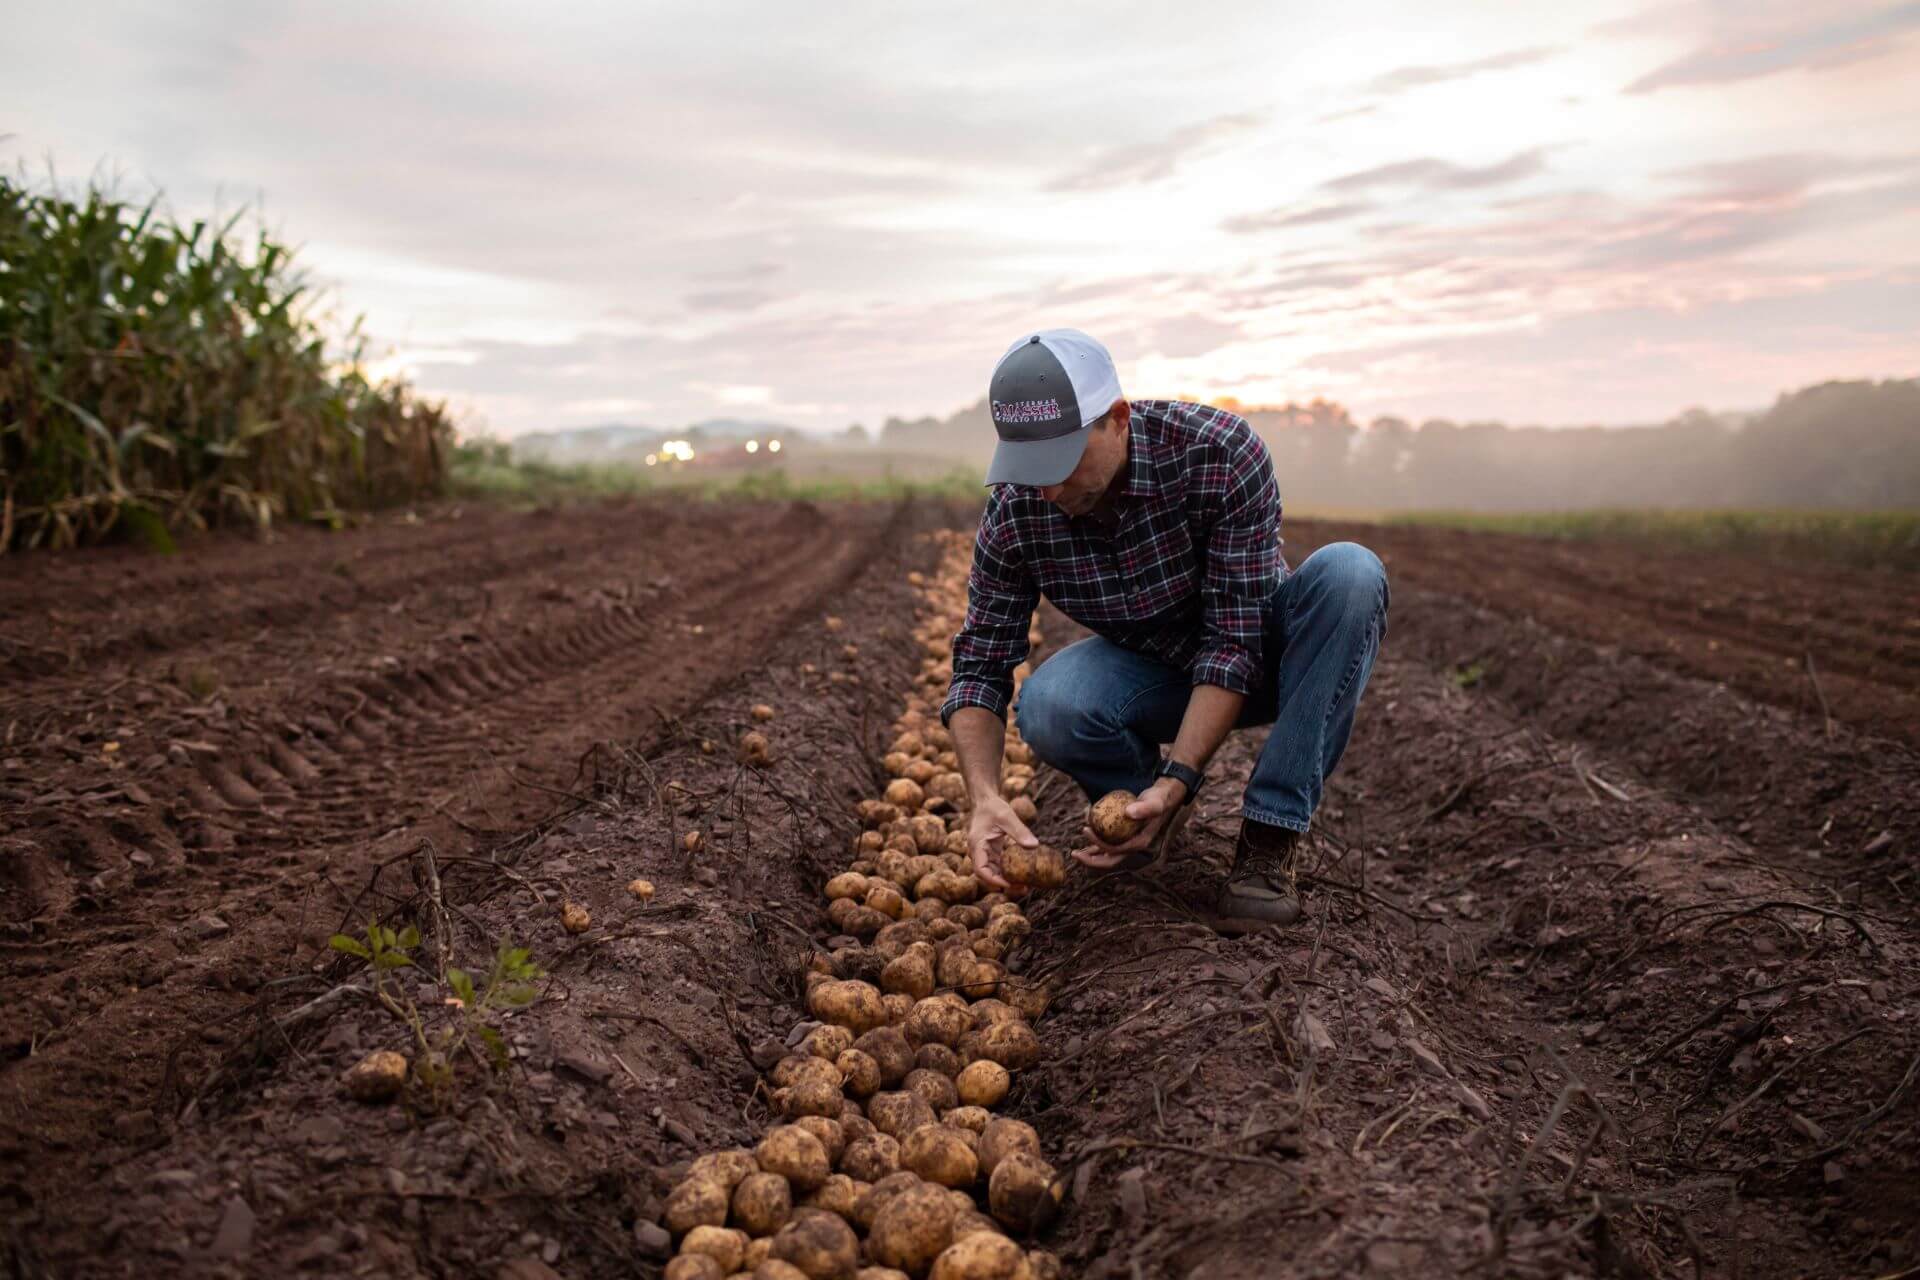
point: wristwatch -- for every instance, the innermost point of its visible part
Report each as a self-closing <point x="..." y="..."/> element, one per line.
<point x="1190" y="777"/>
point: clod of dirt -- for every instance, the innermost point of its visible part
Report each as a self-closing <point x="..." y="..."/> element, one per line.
<point x="762" y="712"/>
<point x="641" y="889"/>
<point x="575" y="918"/>
<point x="376" y="1077"/>
<point x="1108" y="817"/>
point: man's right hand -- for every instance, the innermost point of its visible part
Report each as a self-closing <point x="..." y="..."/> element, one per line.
<point x="994" y="823"/>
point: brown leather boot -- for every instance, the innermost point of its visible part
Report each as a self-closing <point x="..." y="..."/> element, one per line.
<point x="1260" y="891"/>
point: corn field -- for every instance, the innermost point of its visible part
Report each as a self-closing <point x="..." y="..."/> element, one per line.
<point x="158" y="376"/>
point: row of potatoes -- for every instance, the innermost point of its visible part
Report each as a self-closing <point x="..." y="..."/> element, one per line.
<point x="890" y="1162"/>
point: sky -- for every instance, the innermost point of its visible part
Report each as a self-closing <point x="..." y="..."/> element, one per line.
<point x="566" y="214"/>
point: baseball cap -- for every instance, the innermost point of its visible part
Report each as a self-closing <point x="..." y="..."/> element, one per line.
<point x="1046" y="390"/>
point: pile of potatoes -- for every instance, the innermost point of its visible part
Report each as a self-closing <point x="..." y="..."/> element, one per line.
<point x="889" y="1162"/>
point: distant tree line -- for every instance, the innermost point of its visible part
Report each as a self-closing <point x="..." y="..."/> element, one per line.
<point x="1849" y="445"/>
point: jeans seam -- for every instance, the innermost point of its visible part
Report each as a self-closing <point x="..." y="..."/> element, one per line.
<point x="1138" y="694"/>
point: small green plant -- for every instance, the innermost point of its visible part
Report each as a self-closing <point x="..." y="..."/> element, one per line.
<point x="508" y="983"/>
<point x="1468" y="675"/>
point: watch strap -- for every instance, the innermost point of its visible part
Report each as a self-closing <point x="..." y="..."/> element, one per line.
<point x="1188" y="776"/>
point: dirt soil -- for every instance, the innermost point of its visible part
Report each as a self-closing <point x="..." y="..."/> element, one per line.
<point x="1609" y="967"/>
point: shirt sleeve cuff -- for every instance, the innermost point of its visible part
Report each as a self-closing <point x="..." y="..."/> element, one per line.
<point x="975" y="692"/>
<point x="1230" y="667"/>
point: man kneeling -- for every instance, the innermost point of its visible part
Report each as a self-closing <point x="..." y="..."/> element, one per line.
<point x="1156" y="525"/>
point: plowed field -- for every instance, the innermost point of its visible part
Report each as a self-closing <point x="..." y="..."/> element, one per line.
<point x="1612" y="964"/>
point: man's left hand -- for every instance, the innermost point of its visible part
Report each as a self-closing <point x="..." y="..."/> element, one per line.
<point x="1151" y="809"/>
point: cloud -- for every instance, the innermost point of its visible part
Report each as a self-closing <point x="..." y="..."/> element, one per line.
<point x="1431" y="174"/>
<point x="1293" y="216"/>
<point x="1144" y="162"/>
<point x="728" y="299"/>
<point x="1403" y="78"/>
<point x="1774" y="46"/>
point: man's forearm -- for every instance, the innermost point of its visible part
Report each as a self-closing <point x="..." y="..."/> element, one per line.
<point x="980" y="741"/>
<point x="1211" y="714"/>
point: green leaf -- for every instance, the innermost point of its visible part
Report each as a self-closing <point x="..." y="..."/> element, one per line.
<point x="462" y="985"/>
<point x="352" y="946"/>
<point x="409" y="938"/>
<point x="392" y="960"/>
<point x="518" y="995"/>
<point x="496" y="1047"/>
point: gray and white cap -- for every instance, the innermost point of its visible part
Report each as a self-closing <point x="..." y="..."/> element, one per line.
<point x="1046" y="390"/>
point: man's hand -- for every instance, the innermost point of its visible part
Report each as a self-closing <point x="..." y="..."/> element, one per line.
<point x="994" y="822"/>
<point x="1150" y="809"/>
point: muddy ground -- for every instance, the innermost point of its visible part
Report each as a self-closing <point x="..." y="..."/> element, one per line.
<point x="1610" y="968"/>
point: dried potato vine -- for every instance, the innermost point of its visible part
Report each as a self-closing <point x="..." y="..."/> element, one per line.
<point x="889" y="1162"/>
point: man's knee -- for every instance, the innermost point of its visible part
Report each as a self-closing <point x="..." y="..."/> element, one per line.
<point x="1351" y="574"/>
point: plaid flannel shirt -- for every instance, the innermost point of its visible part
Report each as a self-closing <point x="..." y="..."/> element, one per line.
<point x="1183" y="576"/>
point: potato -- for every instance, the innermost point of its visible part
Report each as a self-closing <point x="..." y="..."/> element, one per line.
<point x="984" y="947"/>
<point x="1025" y="809"/>
<point x="641" y="889"/>
<point x="985" y="980"/>
<point x="941" y="1156"/>
<point x="796" y="1067"/>
<point x="876" y="813"/>
<point x="980" y="1255"/>
<point x="937" y="1057"/>
<point x="911" y="974"/>
<point x="905" y="794"/>
<point x="854" y="1123"/>
<point x="1011" y="1043"/>
<point x="1009" y="929"/>
<point x="778" y="1268"/>
<point x="957" y="843"/>
<point x="898" y="938"/>
<point x="932" y="1088"/>
<point x="939" y="929"/>
<point x="754" y="749"/>
<point x="929" y="833"/>
<point x="828" y="1130"/>
<point x="762" y="1203"/>
<point x="878" y="1193"/>
<point x="697" y="1202"/>
<point x="896" y="762"/>
<point x="1108" y="817"/>
<point x="983" y="1083"/>
<point x="694" y="1266"/>
<point x="909" y="744"/>
<point x="936" y="1021"/>
<point x="860" y="1072"/>
<point x="972" y="1220"/>
<point x="987" y="1012"/>
<point x="795" y="1155"/>
<point x="813" y="1098"/>
<point x="967" y="916"/>
<point x="924" y="772"/>
<point x="848" y="884"/>
<point x="1022" y="1192"/>
<point x="835" y="1195"/>
<point x="956" y="967"/>
<point x="828" y="1042"/>
<point x="880" y="1273"/>
<point x="820" y="1244"/>
<point x="757" y="1250"/>
<point x="1049" y="868"/>
<point x="886" y="900"/>
<point x="1029" y="999"/>
<point x="871" y="1159"/>
<point x="1016" y="863"/>
<point x="901" y="842"/>
<point x="851" y="1004"/>
<point x="575" y="918"/>
<point x="899" y="1113"/>
<point x="724" y="1167"/>
<point x="970" y="1118"/>
<point x="888" y="1046"/>
<point x="1001" y="1138"/>
<point x="912" y="1228"/>
<point x="376" y="1077"/>
<point x="948" y="786"/>
<point x="724" y="1245"/>
<point x="1042" y="1265"/>
<point x="851" y="917"/>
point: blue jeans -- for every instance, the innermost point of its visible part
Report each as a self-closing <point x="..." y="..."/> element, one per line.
<point x="1099" y="713"/>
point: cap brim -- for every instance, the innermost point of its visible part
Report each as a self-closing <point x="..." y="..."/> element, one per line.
<point x="1037" y="462"/>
